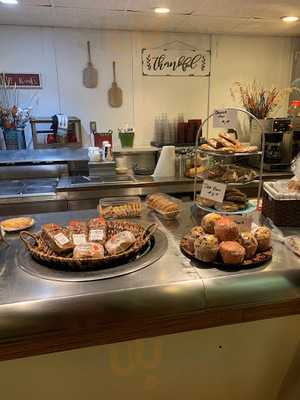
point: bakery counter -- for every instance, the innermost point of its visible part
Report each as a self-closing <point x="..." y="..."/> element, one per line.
<point x="170" y="295"/>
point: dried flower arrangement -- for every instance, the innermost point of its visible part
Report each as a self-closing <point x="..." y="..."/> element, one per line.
<point x="259" y="101"/>
<point x="11" y="115"/>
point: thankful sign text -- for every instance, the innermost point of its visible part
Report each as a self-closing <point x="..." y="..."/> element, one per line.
<point x="174" y="62"/>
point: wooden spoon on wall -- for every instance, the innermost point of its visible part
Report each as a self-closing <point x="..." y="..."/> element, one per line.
<point x="115" y="94"/>
<point x="90" y="74"/>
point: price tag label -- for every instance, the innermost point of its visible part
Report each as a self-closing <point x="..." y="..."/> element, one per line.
<point x="79" y="238"/>
<point x="96" y="234"/>
<point x="214" y="191"/>
<point x="61" y="239"/>
<point x="225" y="119"/>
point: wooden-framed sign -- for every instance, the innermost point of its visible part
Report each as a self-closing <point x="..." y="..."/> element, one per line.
<point x="22" y="81"/>
<point x="175" y="62"/>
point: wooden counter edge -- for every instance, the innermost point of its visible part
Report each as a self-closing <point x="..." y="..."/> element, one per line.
<point x="58" y="340"/>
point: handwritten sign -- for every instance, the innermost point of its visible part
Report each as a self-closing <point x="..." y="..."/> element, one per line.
<point x="23" y="81"/>
<point x="214" y="191"/>
<point x="175" y="62"/>
<point x="225" y="119"/>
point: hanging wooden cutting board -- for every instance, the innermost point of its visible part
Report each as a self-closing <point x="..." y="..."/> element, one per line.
<point x="115" y="94"/>
<point x="90" y="74"/>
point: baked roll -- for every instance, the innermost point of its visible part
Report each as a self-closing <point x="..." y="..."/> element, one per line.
<point x="226" y="230"/>
<point x="206" y="248"/>
<point x="232" y="253"/>
<point x="196" y="233"/>
<point x="263" y="236"/>
<point x="208" y="222"/>
<point x="250" y="244"/>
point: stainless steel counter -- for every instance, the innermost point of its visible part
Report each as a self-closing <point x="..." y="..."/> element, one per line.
<point x="171" y="295"/>
<point x="42" y="156"/>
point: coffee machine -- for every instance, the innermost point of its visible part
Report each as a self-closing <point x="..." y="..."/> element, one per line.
<point x="278" y="144"/>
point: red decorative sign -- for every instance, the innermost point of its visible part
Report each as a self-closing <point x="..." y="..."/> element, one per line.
<point x="23" y="81"/>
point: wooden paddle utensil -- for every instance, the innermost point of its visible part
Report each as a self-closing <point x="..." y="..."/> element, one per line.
<point x="90" y="74"/>
<point x="115" y="94"/>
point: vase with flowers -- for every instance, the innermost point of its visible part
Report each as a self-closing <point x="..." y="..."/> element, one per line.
<point x="261" y="102"/>
<point x="13" y="119"/>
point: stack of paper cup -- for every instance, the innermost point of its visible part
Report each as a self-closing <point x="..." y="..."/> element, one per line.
<point x="166" y="163"/>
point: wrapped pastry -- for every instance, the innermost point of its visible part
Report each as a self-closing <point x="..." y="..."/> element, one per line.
<point x="208" y="222"/>
<point x="263" y="236"/>
<point x="226" y="230"/>
<point x="250" y="244"/>
<point x="57" y="238"/>
<point x="89" y="250"/>
<point x="78" y="231"/>
<point x="97" y="230"/>
<point x="162" y="203"/>
<point x="120" y="242"/>
<point x="206" y="248"/>
<point x="232" y="252"/>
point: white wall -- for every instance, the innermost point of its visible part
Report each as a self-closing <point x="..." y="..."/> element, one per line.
<point x="60" y="55"/>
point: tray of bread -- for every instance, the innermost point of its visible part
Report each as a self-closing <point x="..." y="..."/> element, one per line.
<point x="87" y="245"/>
<point x="229" y="173"/>
<point x="235" y="202"/>
<point x="225" y="144"/>
<point x="218" y="242"/>
<point x="164" y="205"/>
<point x="120" y="207"/>
<point x="17" y="224"/>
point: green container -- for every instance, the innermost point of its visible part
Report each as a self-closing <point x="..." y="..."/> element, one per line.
<point x="126" y="139"/>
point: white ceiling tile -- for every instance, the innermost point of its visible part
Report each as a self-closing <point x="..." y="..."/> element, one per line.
<point x="208" y="16"/>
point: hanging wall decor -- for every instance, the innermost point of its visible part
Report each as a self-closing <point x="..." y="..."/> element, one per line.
<point x="162" y="61"/>
<point x="23" y="81"/>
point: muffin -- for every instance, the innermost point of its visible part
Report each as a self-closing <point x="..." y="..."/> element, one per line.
<point x="206" y="248"/>
<point x="263" y="236"/>
<point x="250" y="244"/>
<point x="232" y="253"/>
<point x="226" y="230"/>
<point x="208" y="222"/>
<point x="196" y="232"/>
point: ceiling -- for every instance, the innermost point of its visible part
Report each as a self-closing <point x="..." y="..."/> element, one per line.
<point x="251" y="17"/>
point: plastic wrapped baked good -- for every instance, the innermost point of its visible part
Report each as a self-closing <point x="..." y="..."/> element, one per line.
<point x="120" y="207"/>
<point x="206" y="248"/>
<point x="250" y="244"/>
<point x="120" y="242"/>
<point x="78" y="231"/>
<point x="208" y="222"/>
<point x="232" y="252"/>
<point x="97" y="230"/>
<point x="163" y="204"/>
<point x="57" y="238"/>
<point x="89" y="250"/>
<point x="263" y="235"/>
<point x="226" y="230"/>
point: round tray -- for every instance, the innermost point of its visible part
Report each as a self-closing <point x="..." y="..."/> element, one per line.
<point x="40" y="251"/>
<point x="248" y="210"/>
<point x="259" y="259"/>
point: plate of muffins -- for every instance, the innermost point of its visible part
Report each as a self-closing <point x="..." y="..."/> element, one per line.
<point x="218" y="242"/>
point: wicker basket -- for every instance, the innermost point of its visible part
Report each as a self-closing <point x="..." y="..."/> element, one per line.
<point x="281" y="212"/>
<point x="41" y="252"/>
